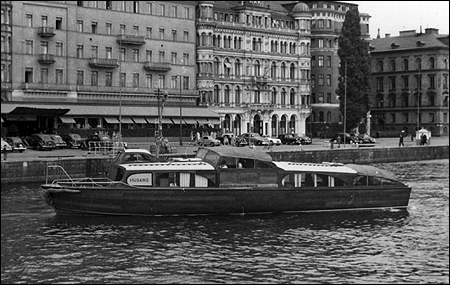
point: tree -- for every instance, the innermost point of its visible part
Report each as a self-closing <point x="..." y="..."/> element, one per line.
<point x="354" y="55"/>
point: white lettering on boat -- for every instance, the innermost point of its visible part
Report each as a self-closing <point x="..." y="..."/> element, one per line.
<point x="141" y="179"/>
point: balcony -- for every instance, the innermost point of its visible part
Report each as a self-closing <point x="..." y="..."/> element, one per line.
<point x="103" y="63"/>
<point x="46" y="58"/>
<point x="157" y="66"/>
<point x="46" y="32"/>
<point x="259" y="80"/>
<point x="131" y="40"/>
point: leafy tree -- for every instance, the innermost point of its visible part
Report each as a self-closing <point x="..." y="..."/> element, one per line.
<point x="353" y="52"/>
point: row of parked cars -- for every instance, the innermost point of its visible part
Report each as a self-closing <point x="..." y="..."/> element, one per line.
<point x="352" y="138"/>
<point x="53" y="141"/>
<point x="255" y="139"/>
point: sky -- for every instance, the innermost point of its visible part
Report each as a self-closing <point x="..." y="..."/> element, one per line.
<point x="394" y="16"/>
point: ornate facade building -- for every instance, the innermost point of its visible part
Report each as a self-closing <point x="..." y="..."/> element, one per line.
<point x="253" y="63"/>
<point x="410" y="82"/>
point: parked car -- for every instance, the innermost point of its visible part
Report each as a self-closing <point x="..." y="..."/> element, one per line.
<point x="41" y="142"/>
<point x="364" y="138"/>
<point x="238" y="140"/>
<point x="255" y="139"/>
<point x="73" y="140"/>
<point x="295" y="139"/>
<point x="97" y="142"/>
<point x="348" y="138"/>
<point x="16" y="143"/>
<point x="209" y="141"/>
<point x="59" y="142"/>
<point x="6" y="146"/>
<point x="273" y="141"/>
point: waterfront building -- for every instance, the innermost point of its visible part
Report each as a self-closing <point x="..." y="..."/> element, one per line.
<point x="327" y="21"/>
<point x="253" y="61"/>
<point x="87" y="64"/>
<point x="410" y="82"/>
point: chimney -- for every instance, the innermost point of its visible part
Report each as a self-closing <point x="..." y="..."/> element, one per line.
<point x="387" y="35"/>
<point x="378" y="36"/>
<point x="431" y="31"/>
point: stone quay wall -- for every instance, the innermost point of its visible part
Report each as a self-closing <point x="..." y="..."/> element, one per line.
<point x="81" y="167"/>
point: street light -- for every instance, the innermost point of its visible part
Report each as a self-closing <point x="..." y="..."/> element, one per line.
<point x="158" y="134"/>
<point x="181" y="114"/>
<point x="345" y="101"/>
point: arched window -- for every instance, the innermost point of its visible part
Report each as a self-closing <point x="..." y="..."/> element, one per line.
<point x="432" y="63"/>
<point x="274" y="96"/>
<point x="237" y="67"/>
<point x="292" y="71"/>
<point x="292" y="123"/>
<point x="204" y="39"/>
<point x="216" y="94"/>
<point x="227" y="94"/>
<point x="329" y="116"/>
<point x="292" y="98"/>
<point x="227" y="67"/>
<point x="274" y="125"/>
<point x="273" y="71"/>
<point x="321" y="119"/>
<point x="283" y="96"/>
<point x="257" y="71"/>
<point x="257" y="95"/>
<point x="418" y="63"/>
<point x="405" y="64"/>
<point x="216" y="66"/>
<point x="283" y="124"/>
<point x="380" y="66"/>
<point x="237" y="95"/>
<point x="392" y="65"/>
<point x="283" y="70"/>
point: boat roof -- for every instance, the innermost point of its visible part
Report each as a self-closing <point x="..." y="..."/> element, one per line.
<point x="372" y="171"/>
<point x="168" y="166"/>
<point x="313" y="167"/>
<point x="240" y="152"/>
<point x="136" y="150"/>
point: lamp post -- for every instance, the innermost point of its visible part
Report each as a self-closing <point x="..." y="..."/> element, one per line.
<point x="345" y="101"/>
<point x="181" y="115"/>
<point x="158" y="134"/>
<point x="419" y="88"/>
<point x="120" y="93"/>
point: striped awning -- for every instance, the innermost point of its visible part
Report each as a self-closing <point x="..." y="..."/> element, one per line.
<point x="139" y="120"/>
<point x="111" y="120"/>
<point x="67" y="120"/>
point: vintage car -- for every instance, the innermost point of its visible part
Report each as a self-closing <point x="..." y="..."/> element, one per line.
<point x="41" y="142"/>
<point x="97" y="142"/>
<point x="273" y="141"/>
<point x="209" y="141"/>
<point x="16" y="143"/>
<point x="6" y="146"/>
<point x="294" y="139"/>
<point x="349" y="138"/>
<point x="73" y="140"/>
<point x="238" y="140"/>
<point x="59" y="142"/>
<point x="254" y="139"/>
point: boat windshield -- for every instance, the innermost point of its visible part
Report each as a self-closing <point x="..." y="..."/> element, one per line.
<point x="208" y="156"/>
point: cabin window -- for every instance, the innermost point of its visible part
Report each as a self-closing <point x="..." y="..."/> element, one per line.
<point x="311" y="180"/>
<point x="263" y="164"/>
<point x="201" y="181"/>
<point x="246" y="163"/>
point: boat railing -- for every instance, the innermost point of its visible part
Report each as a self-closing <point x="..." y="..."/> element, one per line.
<point x="69" y="181"/>
<point x="109" y="148"/>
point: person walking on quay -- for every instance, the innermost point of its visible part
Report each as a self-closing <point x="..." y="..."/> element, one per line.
<point x="400" y="142"/>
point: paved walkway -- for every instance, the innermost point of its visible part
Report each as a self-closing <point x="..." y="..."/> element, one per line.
<point x="318" y="144"/>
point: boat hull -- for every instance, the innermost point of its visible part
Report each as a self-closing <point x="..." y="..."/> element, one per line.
<point x="211" y="201"/>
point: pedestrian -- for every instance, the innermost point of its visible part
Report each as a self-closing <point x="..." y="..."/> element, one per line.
<point x="424" y="139"/>
<point x="400" y="142"/>
<point x="233" y="141"/>
<point x="5" y="152"/>
<point x="339" y="140"/>
<point x="225" y="140"/>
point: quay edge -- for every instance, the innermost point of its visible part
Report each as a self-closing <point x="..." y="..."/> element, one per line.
<point x="76" y="167"/>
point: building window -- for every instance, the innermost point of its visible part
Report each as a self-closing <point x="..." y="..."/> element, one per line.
<point x="186" y="36"/>
<point x="29" y="46"/>
<point x="174" y="35"/>
<point x="58" y="24"/>
<point x="185" y="82"/>
<point x="136" y="55"/>
<point x="108" y="77"/>
<point x="135" y="6"/>
<point x="80" y="51"/>
<point x="148" y="55"/>
<point x="148" y="8"/>
<point x="108" y="5"/>
<point x="162" y="9"/>
<point x="380" y="66"/>
<point x="94" y="78"/>
<point x="380" y="84"/>
<point x="44" y="47"/>
<point x="405" y="64"/>
<point x="80" y="26"/>
<point x="123" y="79"/>
<point x="122" y="54"/>
<point x="108" y="52"/>
<point x="174" y="58"/>
<point x="328" y="61"/>
<point x="44" y="21"/>
<point x="320" y="60"/>
<point x="186" y="13"/>
<point x="80" y="77"/>
<point x="28" y="75"/>
<point x="392" y="118"/>
<point x="405" y="80"/>
<point x="174" y="82"/>
<point x="329" y="79"/>
<point x="321" y="78"/>
<point x="148" y="80"/>
<point x="392" y="65"/>
<point x="136" y="30"/>
<point x="162" y="56"/>
<point x="108" y="28"/>
<point x="122" y="29"/>
<point x="59" y="76"/>
<point x="161" y="34"/>
<point x="392" y="85"/>
<point x="174" y="11"/>
<point x="162" y="81"/>
<point x="44" y="75"/>
<point x="135" y="80"/>
<point x="94" y="51"/>
<point x="321" y="95"/>
<point x="59" y="49"/>
<point x="149" y="32"/>
<point x="185" y="59"/>
<point x="29" y="19"/>
<point x="432" y="80"/>
<point x="94" y="27"/>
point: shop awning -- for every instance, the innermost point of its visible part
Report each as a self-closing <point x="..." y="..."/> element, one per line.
<point x="190" y="121"/>
<point x="39" y="111"/>
<point x="139" y="120"/>
<point x="110" y="120"/>
<point x="202" y="121"/>
<point x="127" y="120"/>
<point x="166" y="121"/>
<point x="67" y="120"/>
<point x="151" y="120"/>
<point x="214" y="121"/>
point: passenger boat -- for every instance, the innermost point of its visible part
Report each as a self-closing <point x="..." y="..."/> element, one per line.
<point x="226" y="180"/>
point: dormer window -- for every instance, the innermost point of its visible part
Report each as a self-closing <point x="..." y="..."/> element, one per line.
<point x="394" y="45"/>
<point x="420" y="43"/>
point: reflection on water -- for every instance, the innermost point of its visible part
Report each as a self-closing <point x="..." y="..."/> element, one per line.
<point x="352" y="247"/>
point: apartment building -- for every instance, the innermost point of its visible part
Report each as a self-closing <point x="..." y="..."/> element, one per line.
<point x="88" y="63"/>
<point x="410" y="82"/>
<point x="253" y="62"/>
